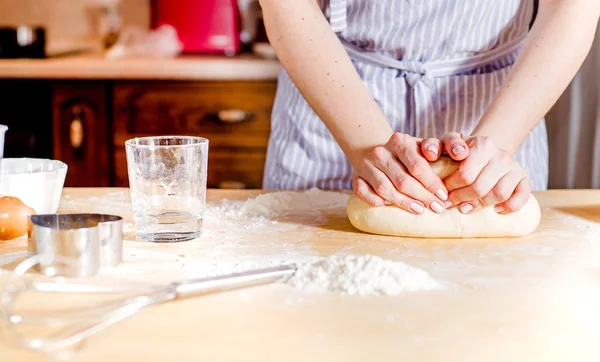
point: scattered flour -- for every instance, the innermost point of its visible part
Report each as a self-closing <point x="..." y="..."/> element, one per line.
<point x="289" y="202"/>
<point x="364" y="275"/>
<point x="264" y="210"/>
<point x="232" y="212"/>
<point x="281" y="203"/>
<point x="360" y="275"/>
<point x="241" y="235"/>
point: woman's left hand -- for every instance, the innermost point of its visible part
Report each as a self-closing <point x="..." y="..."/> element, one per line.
<point x="488" y="176"/>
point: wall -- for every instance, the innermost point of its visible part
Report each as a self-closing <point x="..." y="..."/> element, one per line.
<point x="574" y="129"/>
<point x="67" y="18"/>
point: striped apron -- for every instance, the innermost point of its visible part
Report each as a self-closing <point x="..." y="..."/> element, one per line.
<point x="433" y="66"/>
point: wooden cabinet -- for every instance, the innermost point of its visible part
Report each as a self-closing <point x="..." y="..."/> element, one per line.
<point x="233" y="116"/>
<point x="92" y="121"/>
<point x="80" y="132"/>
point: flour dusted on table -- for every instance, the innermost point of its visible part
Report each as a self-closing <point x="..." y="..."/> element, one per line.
<point x="241" y="235"/>
<point x="231" y="213"/>
<point x="280" y="203"/>
<point x="286" y="202"/>
<point x="263" y="210"/>
<point x="360" y="275"/>
<point x="363" y="275"/>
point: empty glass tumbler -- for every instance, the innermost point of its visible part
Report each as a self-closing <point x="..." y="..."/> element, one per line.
<point x="167" y="179"/>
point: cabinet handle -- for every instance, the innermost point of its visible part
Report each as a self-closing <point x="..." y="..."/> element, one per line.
<point x="76" y="129"/>
<point x="235" y="185"/>
<point x="234" y="116"/>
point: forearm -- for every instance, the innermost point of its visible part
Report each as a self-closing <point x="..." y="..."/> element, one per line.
<point x="551" y="56"/>
<point x="318" y="64"/>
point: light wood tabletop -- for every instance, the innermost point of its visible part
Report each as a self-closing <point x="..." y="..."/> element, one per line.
<point x="535" y="298"/>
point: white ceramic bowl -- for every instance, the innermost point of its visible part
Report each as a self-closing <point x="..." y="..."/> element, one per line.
<point x="37" y="182"/>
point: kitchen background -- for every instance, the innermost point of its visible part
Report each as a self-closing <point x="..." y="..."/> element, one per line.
<point x="71" y="19"/>
<point x="90" y="104"/>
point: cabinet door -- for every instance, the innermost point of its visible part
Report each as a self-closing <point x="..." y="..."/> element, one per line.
<point x="80" y="133"/>
<point x="25" y="107"/>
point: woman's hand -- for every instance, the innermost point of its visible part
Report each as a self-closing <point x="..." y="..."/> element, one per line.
<point x="488" y="176"/>
<point x="398" y="173"/>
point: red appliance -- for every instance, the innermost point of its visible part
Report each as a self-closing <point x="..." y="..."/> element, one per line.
<point x="203" y="26"/>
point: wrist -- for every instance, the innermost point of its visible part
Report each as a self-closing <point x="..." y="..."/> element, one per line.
<point x="504" y="138"/>
<point x="356" y="150"/>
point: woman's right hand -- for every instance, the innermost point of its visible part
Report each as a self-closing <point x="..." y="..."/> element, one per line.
<point x="398" y="173"/>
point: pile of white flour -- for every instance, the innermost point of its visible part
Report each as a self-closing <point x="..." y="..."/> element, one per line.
<point x="360" y="275"/>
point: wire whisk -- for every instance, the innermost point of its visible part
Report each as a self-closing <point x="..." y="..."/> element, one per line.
<point x="68" y="330"/>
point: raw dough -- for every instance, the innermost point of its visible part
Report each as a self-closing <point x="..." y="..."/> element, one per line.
<point x="393" y="221"/>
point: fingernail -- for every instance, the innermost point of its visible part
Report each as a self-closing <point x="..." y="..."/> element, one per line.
<point x="466" y="208"/>
<point x="498" y="208"/>
<point x="417" y="208"/>
<point x="435" y="206"/>
<point x="441" y="194"/>
<point x="432" y="149"/>
<point x="457" y="149"/>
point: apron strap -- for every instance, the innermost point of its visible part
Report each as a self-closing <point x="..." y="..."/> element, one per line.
<point x="338" y="15"/>
<point x="442" y="68"/>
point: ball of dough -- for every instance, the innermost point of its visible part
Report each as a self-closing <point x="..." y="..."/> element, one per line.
<point x="482" y="223"/>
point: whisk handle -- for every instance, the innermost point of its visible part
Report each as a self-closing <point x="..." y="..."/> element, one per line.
<point x="228" y="282"/>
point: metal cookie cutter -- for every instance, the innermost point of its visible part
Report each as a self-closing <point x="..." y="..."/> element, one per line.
<point x="76" y="245"/>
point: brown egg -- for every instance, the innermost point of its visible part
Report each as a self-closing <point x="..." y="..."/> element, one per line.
<point x="14" y="217"/>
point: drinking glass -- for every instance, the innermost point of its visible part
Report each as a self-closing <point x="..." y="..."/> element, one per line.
<point x="167" y="179"/>
<point x="3" y="130"/>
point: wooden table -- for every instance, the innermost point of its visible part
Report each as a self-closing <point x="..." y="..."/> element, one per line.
<point x="535" y="298"/>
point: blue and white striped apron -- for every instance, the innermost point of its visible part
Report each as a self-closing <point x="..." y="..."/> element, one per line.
<point x="433" y="66"/>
